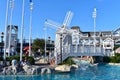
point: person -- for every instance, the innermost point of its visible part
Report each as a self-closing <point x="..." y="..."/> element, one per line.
<point x="26" y="61"/>
<point x="26" y="53"/>
<point x="22" y="63"/>
<point x="14" y="62"/>
<point x="14" y="66"/>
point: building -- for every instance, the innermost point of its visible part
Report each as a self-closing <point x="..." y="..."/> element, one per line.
<point x="75" y="42"/>
<point x="11" y="39"/>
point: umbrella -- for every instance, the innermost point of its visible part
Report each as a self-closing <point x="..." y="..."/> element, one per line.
<point x="27" y="48"/>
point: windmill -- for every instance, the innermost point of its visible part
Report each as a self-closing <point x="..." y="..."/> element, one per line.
<point x="62" y="31"/>
<point x="59" y="26"/>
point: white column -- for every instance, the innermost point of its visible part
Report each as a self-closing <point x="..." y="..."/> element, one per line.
<point x="30" y="33"/>
<point x="22" y="31"/>
<point x="6" y="23"/>
<point x="11" y="6"/>
<point x="45" y="40"/>
<point x="94" y="17"/>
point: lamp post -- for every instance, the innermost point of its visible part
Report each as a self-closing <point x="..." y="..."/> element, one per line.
<point x="94" y="17"/>
<point x="49" y="48"/>
<point x="2" y="36"/>
<point x="30" y="34"/>
<point x="2" y="42"/>
<point x="22" y="29"/>
<point x="61" y="47"/>
<point x="49" y="42"/>
<point x="6" y="23"/>
<point x="11" y="7"/>
<point x="45" y="42"/>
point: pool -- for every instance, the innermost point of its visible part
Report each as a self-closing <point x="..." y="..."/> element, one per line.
<point x="100" y="72"/>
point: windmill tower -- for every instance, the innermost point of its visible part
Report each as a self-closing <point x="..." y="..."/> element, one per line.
<point x="61" y="34"/>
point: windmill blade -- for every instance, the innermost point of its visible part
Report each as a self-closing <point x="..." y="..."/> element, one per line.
<point x="68" y="19"/>
<point x="117" y="30"/>
<point x="52" y="23"/>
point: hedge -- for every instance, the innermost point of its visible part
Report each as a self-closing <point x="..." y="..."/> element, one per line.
<point x="30" y="59"/>
<point x="68" y="61"/>
<point x="113" y="59"/>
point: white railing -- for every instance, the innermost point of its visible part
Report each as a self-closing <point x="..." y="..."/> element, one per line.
<point x="70" y="51"/>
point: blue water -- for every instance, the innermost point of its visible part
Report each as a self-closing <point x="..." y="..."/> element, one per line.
<point x="101" y="72"/>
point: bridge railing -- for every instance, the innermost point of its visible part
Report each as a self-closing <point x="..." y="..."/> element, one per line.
<point x="82" y="51"/>
<point x="85" y="49"/>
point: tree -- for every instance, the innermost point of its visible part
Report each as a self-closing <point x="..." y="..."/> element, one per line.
<point x="116" y="46"/>
<point x="38" y="44"/>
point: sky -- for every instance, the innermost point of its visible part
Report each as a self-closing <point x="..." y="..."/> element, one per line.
<point x="108" y="15"/>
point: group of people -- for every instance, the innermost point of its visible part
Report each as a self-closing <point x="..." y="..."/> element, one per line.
<point x="15" y="64"/>
<point x="24" y="62"/>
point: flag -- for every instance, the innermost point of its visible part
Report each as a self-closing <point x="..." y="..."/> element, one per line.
<point x="30" y="1"/>
<point x="94" y="13"/>
<point x="31" y="4"/>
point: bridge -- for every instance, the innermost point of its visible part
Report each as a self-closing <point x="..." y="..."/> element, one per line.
<point x="74" y="42"/>
<point x="77" y="51"/>
<point x="67" y="45"/>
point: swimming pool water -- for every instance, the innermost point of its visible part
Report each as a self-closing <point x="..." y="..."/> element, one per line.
<point x="101" y="72"/>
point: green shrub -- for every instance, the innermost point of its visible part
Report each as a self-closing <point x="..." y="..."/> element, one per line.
<point x="68" y="61"/>
<point x="13" y="57"/>
<point x="117" y="54"/>
<point x="115" y="47"/>
<point x="113" y="59"/>
<point x="106" y="59"/>
<point x="1" y="58"/>
<point x="30" y="59"/>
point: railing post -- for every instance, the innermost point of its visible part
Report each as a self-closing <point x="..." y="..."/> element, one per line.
<point x="61" y="47"/>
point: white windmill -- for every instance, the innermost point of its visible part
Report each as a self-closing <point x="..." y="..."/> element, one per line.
<point x="62" y="31"/>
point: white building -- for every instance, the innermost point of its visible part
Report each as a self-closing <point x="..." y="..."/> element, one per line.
<point x="74" y="42"/>
<point x="12" y="40"/>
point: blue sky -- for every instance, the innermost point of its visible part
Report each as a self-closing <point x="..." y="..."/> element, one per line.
<point x="108" y="15"/>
